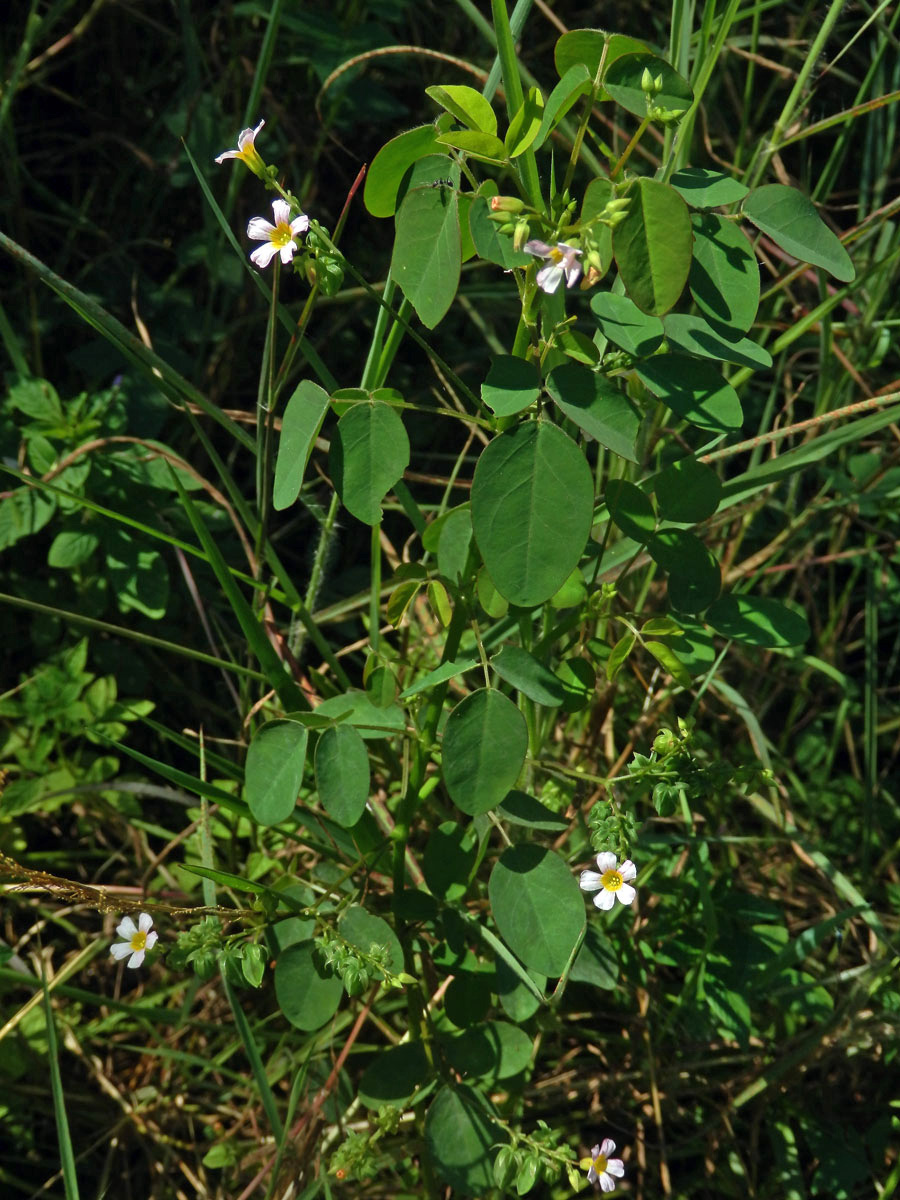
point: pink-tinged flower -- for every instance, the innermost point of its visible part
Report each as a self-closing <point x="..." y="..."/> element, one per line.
<point x="610" y="882"/>
<point x="247" y="152"/>
<point x="563" y="260"/>
<point x="138" y="939"/>
<point x="277" y="238"/>
<point x="601" y="1168"/>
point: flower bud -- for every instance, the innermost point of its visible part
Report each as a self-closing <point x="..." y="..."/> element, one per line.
<point x="647" y="82"/>
<point x="522" y="233"/>
<point x="507" y="204"/>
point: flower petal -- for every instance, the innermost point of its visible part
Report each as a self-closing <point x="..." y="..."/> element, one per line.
<point x="590" y="881"/>
<point x="605" y="899"/>
<point x="264" y="254"/>
<point x="615" y="1166"/>
<point x="248" y="136"/>
<point x="258" y="229"/>
<point x="120" y="949"/>
<point x="536" y="246"/>
<point x="573" y="274"/>
<point x="549" y="278"/>
<point x="606" y="861"/>
<point x="628" y="870"/>
<point x="608" y="1148"/>
<point x="227" y="154"/>
<point x="136" y="959"/>
<point x="595" y="1150"/>
<point x="626" y="893"/>
<point x="607" y="1183"/>
<point x="300" y="224"/>
<point x="127" y="928"/>
<point x="287" y="252"/>
<point x="152" y="939"/>
<point x="282" y="211"/>
<point x="145" y="922"/>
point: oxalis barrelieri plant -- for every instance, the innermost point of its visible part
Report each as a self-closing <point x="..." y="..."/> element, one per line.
<point x="423" y="785"/>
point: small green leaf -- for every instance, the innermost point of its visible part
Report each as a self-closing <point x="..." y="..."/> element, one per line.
<point x="394" y="1075"/>
<point x="525" y="125"/>
<point x="695" y="578"/>
<point x="598" y="406"/>
<point x="527" y="675"/>
<point x="694" y="335"/>
<point x="401" y="598"/>
<point x="694" y="390"/>
<point x="687" y="492"/>
<point x="521" y="809"/>
<point x="652" y="246"/>
<point x="427" y="250"/>
<point x="369" y="453"/>
<point x="724" y="276"/>
<point x="512" y="385"/>
<point x="668" y="660"/>
<point x="391" y="163"/>
<point x="306" y="994"/>
<point x="484" y="146"/>
<point x="71" y="548"/>
<point x="585" y="47"/>
<point x="274" y="771"/>
<point x="703" y="188"/>
<point x="439" y="600"/>
<point x="492" y="245"/>
<point x="484" y="746"/>
<point x="578" y="678"/>
<point x="303" y="417"/>
<point x="538" y="907"/>
<point x="532" y="509"/>
<point x="454" y="542"/>
<point x="620" y="320"/>
<point x="458" y="1134"/>
<point x="619" y="655"/>
<point x="630" y="509"/>
<point x="575" y="83"/>
<point x="758" y="621"/>
<point x="342" y="774"/>
<point x="466" y="104"/>
<point x="495" y="605"/>
<point x="792" y="221"/>
<point x="451" y="853"/>
<point x="623" y="82"/>
<point x="572" y="593"/>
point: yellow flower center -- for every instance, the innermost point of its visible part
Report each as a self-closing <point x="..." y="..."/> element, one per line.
<point x="612" y="881"/>
<point x="556" y="254"/>
<point x="138" y="940"/>
<point x="599" y="1163"/>
<point x="281" y="234"/>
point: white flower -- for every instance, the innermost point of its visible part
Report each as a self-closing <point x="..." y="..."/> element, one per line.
<point x="138" y="939"/>
<point x="246" y="151"/>
<point x="277" y="238"/>
<point x="612" y="881"/>
<point x="601" y="1168"/>
<point x="563" y="260"/>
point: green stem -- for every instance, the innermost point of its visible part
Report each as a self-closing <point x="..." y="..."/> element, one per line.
<point x="626" y="153"/>
<point x="265" y="416"/>
<point x="515" y="98"/>
<point x="375" y="590"/>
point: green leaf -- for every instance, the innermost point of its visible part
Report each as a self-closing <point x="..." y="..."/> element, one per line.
<point x="538" y="907"/>
<point x="454" y="541"/>
<point x="597" y="195"/>
<point x="693" y="335"/>
<point x="71" y="548"/>
<point x="623" y="82"/>
<point x="703" y="188"/>
<point x="527" y="675"/>
<point x="357" y="709"/>
<point x="598" y="406"/>
<point x="274" y="771"/>
<point x="793" y="223"/>
<point x="532" y="509"/>
<point x="401" y="598"/>
<point x="391" y="163"/>
<point x="138" y="575"/>
<point x="364" y="930"/>
<point x="724" y="277"/>
<point x="572" y="593"/>
<point x="493" y="1051"/>
<point x="578" y="678"/>
<point x="687" y="492"/>
<point x="620" y="320"/>
<point x="694" y="390"/>
<point x="596" y="962"/>
<point x="574" y="83"/>
<point x="619" y="655"/>
<point x="484" y="146"/>
<point x="630" y="509"/>
<point x="758" y="621"/>
<point x="695" y="578"/>
<point x="451" y="853"/>
<point x="427" y="251"/>
<point x="306" y="994"/>
<point x="369" y="453"/>
<point x="521" y="809"/>
<point x="585" y="46"/>
<point x="439" y="599"/>
<point x="489" y="598"/>
<point x="342" y="774"/>
<point x="652" y="246"/>
<point x="525" y="125"/>
<point x="447" y="670"/>
<point x="466" y="104"/>
<point x="303" y="417"/>
<point x="394" y="1075"/>
<point x="668" y="660"/>
<point x="512" y="385"/>
<point x="25" y="512"/>
<point x="459" y="1135"/>
<point x="490" y="244"/>
<point x="483" y="751"/>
